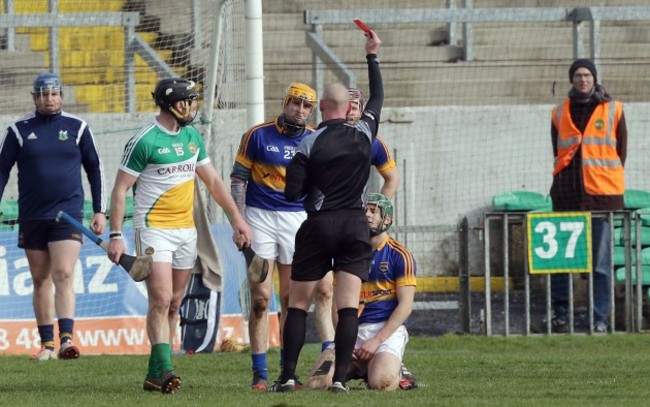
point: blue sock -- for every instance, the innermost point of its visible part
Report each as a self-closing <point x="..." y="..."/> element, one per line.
<point x="324" y="345"/>
<point x="259" y="364"/>
<point x="46" y="333"/>
<point x="66" y="327"/>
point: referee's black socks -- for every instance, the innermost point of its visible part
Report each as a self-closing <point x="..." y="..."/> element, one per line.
<point x="344" y="340"/>
<point x="293" y="340"/>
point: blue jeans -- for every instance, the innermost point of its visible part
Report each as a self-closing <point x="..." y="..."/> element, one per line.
<point x="602" y="264"/>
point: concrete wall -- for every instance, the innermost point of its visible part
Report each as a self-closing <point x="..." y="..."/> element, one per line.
<point x="452" y="160"/>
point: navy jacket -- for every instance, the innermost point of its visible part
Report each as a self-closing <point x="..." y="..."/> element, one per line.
<point x="49" y="151"/>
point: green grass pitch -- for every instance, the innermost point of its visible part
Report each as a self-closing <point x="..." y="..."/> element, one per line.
<point x="452" y="371"/>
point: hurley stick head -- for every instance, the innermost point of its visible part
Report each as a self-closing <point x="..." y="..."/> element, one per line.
<point x="320" y="376"/>
<point x="140" y="267"/>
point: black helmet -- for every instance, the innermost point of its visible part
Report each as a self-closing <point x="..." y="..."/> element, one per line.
<point x="171" y="90"/>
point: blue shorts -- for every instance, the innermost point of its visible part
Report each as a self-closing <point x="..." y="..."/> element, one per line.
<point x="36" y="234"/>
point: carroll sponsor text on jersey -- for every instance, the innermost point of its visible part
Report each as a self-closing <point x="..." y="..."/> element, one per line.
<point x="176" y="169"/>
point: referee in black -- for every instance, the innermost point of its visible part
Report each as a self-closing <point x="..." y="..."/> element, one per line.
<point x="331" y="169"/>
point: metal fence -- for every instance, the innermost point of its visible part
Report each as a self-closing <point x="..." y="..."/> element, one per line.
<point x="517" y="303"/>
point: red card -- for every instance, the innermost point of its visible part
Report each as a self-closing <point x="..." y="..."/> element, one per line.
<point x="362" y="26"/>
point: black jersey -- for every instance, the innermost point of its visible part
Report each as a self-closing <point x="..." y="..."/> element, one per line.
<point x="332" y="165"/>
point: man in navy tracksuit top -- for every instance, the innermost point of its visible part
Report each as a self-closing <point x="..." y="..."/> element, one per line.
<point x="50" y="147"/>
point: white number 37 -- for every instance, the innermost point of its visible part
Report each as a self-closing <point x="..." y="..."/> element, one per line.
<point x="549" y="232"/>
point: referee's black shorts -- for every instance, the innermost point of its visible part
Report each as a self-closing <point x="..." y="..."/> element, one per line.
<point x="334" y="240"/>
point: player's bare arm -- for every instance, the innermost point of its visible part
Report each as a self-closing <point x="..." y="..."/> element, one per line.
<point x="123" y="182"/>
<point x="242" y="234"/>
<point x="391" y="182"/>
<point x="405" y="296"/>
<point x="238" y="192"/>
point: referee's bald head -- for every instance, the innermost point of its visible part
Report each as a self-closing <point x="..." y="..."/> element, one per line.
<point x="335" y="102"/>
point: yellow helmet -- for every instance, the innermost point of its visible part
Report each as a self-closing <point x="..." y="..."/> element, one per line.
<point x="300" y="91"/>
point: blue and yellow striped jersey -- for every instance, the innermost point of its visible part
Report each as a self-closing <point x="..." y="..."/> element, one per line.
<point x="381" y="157"/>
<point x="392" y="266"/>
<point x="265" y="151"/>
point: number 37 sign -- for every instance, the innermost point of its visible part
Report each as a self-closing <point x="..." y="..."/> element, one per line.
<point x="559" y="242"/>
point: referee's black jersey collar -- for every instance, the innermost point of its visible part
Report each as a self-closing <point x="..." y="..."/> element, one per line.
<point x="330" y="122"/>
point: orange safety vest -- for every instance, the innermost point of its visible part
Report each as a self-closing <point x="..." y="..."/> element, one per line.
<point x="602" y="170"/>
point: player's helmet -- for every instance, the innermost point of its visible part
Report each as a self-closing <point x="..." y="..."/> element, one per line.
<point x="171" y="90"/>
<point x="306" y="94"/>
<point x="356" y="95"/>
<point x="386" y="211"/>
<point x="300" y="91"/>
<point x="46" y="82"/>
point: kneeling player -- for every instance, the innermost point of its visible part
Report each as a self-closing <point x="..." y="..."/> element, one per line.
<point x="387" y="300"/>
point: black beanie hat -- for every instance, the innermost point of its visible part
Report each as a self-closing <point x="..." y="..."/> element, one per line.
<point x="583" y="63"/>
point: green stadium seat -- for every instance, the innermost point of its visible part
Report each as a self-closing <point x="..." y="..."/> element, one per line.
<point x="128" y="211"/>
<point x="645" y="236"/>
<point x="645" y="275"/>
<point x="619" y="256"/>
<point x="636" y="199"/>
<point x="88" y="212"/>
<point x="644" y="214"/>
<point x="520" y="201"/>
<point x="88" y="209"/>
<point x="8" y="215"/>
<point x="618" y="223"/>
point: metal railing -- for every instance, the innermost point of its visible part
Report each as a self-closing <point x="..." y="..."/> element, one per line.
<point x="467" y="16"/>
<point x="633" y="305"/>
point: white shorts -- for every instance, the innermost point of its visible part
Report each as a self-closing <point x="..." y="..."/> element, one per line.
<point x="395" y="344"/>
<point x="274" y="233"/>
<point x="175" y="246"/>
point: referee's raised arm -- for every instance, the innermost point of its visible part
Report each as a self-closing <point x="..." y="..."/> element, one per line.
<point x="376" y="101"/>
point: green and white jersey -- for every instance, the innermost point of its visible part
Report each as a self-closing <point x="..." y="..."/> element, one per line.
<point x="165" y="164"/>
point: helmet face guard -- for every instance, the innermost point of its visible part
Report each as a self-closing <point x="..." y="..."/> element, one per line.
<point x="356" y="96"/>
<point x="48" y="84"/>
<point x="302" y="92"/>
<point x="357" y="103"/>
<point x="385" y="208"/>
<point x="172" y="90"/>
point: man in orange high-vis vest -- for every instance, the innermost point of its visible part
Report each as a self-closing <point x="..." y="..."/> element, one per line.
<point x="589" y="144"/>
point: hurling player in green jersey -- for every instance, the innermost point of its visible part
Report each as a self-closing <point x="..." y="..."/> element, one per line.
<point x="160" y="164"/>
